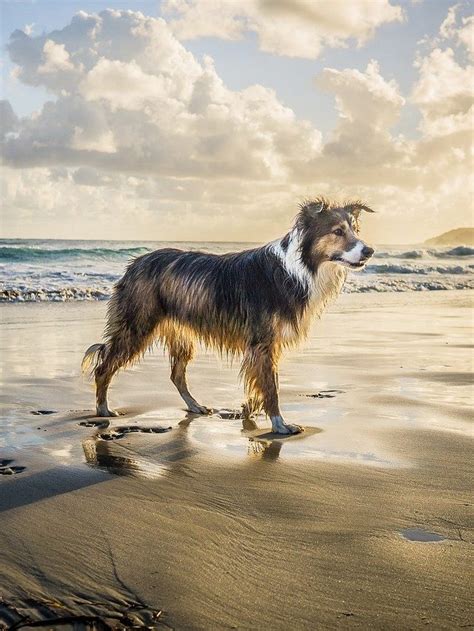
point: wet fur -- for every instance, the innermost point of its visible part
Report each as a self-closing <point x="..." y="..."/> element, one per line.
<point x="252" y="303"/>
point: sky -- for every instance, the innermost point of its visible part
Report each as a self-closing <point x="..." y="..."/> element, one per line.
<point x="213" y="119"/>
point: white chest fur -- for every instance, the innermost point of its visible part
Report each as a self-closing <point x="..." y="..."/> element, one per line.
<point x="327" y="285"/>
<point x="324" y="287"/>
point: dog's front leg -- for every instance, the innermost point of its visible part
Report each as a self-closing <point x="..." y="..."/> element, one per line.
<point x="261" y="381"/>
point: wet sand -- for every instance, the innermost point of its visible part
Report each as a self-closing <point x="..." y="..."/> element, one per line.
<point x="364" y="521"/>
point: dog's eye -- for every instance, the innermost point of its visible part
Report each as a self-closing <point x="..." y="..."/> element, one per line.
<point x="339" y="232"/>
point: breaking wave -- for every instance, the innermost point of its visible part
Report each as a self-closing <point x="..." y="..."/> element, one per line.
<point x="394" y="268"/>
<point x="25" y="254"/>
<point x="71" y="271"/>
<point x="460" y="250"/>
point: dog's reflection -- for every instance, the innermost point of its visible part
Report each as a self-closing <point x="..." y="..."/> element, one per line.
<point x="264" y="449"/>
<point x="259" y="446"/>
<point x="115" y="459"/>
<point x="107" y="449"/>
<point x="171" y="451"/>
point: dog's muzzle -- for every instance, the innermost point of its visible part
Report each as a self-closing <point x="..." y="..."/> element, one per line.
<point x="356" y="257"/>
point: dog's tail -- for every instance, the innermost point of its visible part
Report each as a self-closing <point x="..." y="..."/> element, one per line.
<point x="93" y="355"/>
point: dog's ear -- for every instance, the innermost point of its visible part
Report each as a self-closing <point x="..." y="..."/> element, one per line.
<point x="311" y="208"/>
<point x="355" y="208"/>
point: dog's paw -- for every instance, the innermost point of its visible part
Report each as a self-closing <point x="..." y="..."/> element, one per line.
<point x="286" y="429"/>
<point x="199" y="409"/>
<point x="105" y="412"/>
<point x="294" y="429"/>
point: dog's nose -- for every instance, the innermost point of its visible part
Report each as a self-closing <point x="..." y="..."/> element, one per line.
<point x="367" y="252"/>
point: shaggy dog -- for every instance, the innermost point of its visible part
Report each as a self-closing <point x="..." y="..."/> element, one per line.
<point x="252" y="303"/>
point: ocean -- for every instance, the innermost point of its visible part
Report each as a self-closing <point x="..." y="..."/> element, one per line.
<point x="35" y="270"/>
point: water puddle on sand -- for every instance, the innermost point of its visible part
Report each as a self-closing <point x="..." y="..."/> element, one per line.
<point x="148" y="449"/>
<point x="420" y="535"/>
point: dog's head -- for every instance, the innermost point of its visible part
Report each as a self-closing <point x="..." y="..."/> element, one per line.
<point x="330" y="232"/>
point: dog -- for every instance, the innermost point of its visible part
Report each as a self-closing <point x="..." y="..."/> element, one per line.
<point x="253" y="303"/>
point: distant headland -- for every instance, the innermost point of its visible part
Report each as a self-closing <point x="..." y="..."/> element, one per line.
<point x="458" y="236"/>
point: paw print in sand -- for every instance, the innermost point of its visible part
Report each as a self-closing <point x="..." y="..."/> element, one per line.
<point x="6" y="468"/>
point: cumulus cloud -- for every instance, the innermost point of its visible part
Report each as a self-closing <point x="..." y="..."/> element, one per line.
<point x="130" y="97"/>
<point x="56" y="58"/>
<point x="364" y="95"/>
<point x="8" y="119"/>
<point x="89" y="203"/>
<point x="368" y="107"/>
<point x="295" y="28"/>
<point x="122" y="85"/>
<point x="465" y="34"/>
<point x="458" y="29"/>
<point x="444" y="92"/>
<point x="444" y="89"/>
<point x="140" y="133"/>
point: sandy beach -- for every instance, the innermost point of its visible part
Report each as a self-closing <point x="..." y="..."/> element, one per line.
<point x="166" y="519"/>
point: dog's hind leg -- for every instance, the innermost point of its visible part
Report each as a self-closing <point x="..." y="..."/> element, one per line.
<point x="103" y="376"/>
<point x="259" y="370"/>
<point x="181" y="352"/>
<point x="121" y="350"/>
<point x="103" y="371"/>
<point x="131" y="328"/>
